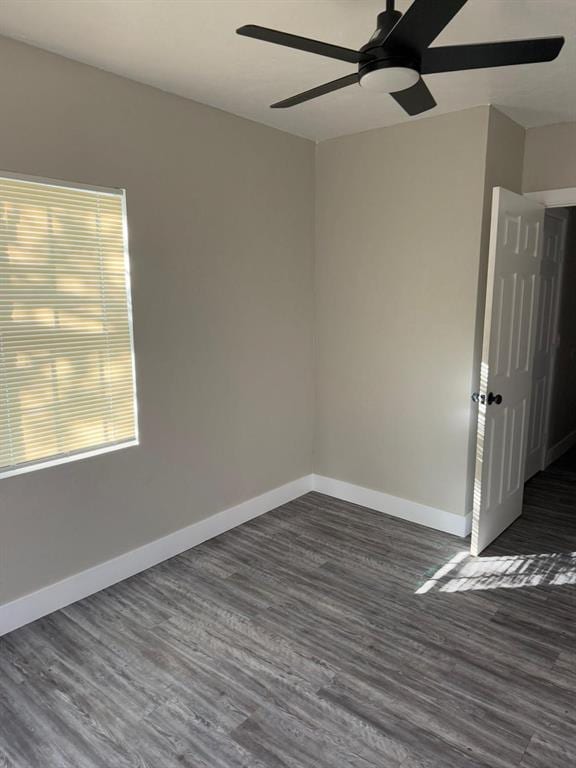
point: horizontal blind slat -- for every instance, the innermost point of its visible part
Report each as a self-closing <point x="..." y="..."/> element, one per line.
<point x="54" y="196"/>
<point x="36" y="429"/>
<point x="39" y="426"/>
<point x="68" y="396"/>
<point x="36" y="452"/>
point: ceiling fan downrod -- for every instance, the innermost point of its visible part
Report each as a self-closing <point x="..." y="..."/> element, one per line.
<point x="386" y="21"/>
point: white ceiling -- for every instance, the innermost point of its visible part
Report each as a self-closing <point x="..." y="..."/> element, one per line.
<point x="189" y="47"/>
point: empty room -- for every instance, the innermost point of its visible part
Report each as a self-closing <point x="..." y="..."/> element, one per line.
<point x="287" y="384"/>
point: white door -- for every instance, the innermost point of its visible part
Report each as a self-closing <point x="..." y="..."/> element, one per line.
<point x="547" y="339"/>
<point x="506" y="371"/>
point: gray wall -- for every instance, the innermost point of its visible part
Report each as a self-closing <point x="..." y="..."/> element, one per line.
<point x="399" y="229"/>
<point x="221" y="236"/>
<point x="550" y="159"/>
<point x="563" y="403"/>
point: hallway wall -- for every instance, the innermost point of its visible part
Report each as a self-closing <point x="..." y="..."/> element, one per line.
<point x="550" y="157"/>
<point x="563" y="404"/>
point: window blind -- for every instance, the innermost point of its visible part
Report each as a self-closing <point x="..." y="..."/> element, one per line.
<point x="67" y="385"/>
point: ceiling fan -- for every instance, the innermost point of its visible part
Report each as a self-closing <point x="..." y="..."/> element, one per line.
<point x="398" y="54"/>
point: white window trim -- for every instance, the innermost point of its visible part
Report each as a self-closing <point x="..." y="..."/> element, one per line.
<point x="117" y="191"/>
<point x="33" y="466"/>
<point x="67" y="458"/>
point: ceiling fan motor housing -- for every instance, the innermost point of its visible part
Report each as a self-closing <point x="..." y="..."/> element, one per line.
<point x="385" y="21"/>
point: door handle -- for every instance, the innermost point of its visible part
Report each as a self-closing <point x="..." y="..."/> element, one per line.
<point x="483" y="399"/>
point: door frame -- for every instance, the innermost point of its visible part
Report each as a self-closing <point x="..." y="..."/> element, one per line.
<point x="554" y="198"/>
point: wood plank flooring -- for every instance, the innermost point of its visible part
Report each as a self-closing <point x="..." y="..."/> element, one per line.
<point x="321" y="635"/>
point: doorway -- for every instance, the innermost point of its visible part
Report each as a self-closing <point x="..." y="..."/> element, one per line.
<point x="552" y="424"/>
<point x="527" y="394"/>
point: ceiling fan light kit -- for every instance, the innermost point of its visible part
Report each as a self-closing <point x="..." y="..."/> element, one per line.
<point x="388" y="76"/>
<point x="398" y="54"/>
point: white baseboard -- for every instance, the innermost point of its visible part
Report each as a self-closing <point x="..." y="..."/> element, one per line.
<point x="55" y="596"/>
<point x="560" y="448"/>
<point x="459" y="525"/>
<point x="48" y="599"/>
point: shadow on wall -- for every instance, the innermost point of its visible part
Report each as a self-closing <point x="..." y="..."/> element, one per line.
<point x="464" y="573"/>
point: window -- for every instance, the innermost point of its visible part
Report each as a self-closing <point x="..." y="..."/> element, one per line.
<point x="67" y="387"/>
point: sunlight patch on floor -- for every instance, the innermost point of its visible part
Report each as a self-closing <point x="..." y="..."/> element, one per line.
<point x="464" y="573"/>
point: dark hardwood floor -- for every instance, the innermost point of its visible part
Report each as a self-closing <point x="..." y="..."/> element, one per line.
<point x="321" y="635"/>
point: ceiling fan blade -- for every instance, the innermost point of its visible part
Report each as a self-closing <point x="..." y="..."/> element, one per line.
<point x="449" y="58"/>
<point x="303" y="44"/>
<point x="422" y="23"/>
<point x="416" y="99"/>
<point x="313" y="93"/>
